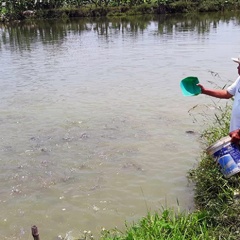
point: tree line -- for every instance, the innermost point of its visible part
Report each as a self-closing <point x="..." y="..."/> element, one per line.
<point x="9" y="7"/>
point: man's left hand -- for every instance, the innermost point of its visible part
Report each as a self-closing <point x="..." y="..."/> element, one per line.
<point x="235" y="135"/>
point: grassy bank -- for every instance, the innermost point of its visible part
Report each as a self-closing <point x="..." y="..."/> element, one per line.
<point x="216" y="198"/>
<point x="215" y="194"/>
<point x="24" y="9"/>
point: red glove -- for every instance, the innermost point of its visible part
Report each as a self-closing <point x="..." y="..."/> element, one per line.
<point x="235" y="135"/>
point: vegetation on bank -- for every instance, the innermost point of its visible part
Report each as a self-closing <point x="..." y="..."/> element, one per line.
<point x="22" y="9"/>
<point x="217" y="201"/>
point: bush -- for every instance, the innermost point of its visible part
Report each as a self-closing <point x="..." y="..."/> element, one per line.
<point x="182" y="7"/>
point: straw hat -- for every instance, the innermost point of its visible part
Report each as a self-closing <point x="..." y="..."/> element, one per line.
<point x="236" y="60"/>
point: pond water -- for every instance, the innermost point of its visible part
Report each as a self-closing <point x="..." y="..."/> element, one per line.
<point x="94" y="128"/>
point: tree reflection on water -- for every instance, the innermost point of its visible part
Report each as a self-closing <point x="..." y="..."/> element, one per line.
<point x="21" y="35"/>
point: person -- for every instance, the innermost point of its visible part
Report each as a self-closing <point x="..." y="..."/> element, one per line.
<point x="232" y="91"/>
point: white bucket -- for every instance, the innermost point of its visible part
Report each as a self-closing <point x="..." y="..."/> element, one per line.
<point x="227" y="156"/>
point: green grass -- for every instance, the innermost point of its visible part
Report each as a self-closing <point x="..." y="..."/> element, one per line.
<point x="167" y="225"/>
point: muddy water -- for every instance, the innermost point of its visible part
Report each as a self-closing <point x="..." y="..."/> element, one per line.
<point x="94" y="128"/>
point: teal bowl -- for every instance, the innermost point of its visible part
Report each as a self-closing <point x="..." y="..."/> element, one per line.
<point x="189" y="86"/>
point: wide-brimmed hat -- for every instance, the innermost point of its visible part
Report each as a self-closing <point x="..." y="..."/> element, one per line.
<point x="236" y="60"/>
